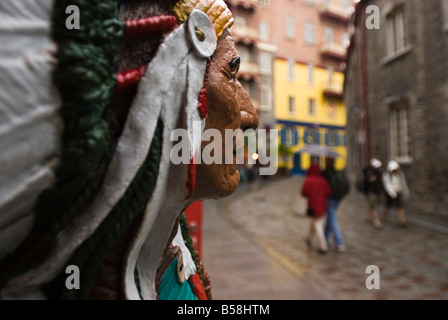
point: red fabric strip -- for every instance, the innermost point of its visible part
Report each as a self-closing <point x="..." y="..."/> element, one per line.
<point x="156" y="24"/>
<point x="129" y="78"/>
<point x="197" y="288"/>
<point x="191" y="181"/>
<point x="202" y="100"/>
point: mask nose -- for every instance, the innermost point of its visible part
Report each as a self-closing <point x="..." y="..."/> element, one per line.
<point x="249" y="116"/>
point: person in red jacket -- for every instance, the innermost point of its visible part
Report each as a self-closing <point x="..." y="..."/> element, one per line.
<point x="317" y="190"/>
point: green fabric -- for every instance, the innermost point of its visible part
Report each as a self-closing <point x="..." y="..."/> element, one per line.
<point x="185" y="229"/>
<point x="91" y="254"/>
<point x="338" y="182"/>
<point x="171" y="289"/>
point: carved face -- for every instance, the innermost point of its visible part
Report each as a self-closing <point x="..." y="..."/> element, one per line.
<point x="229" y="107"/>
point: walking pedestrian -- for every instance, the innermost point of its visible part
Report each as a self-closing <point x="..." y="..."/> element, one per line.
<point x="373" y="190"/>
<point x="317" y="190"/>
<point x="397" y="191"/>
<point x="340" y="187"/>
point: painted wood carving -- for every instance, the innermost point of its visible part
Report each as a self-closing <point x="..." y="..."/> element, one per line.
<point x="87" y="114"/>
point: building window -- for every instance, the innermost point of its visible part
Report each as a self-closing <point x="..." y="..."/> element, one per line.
<point x="265" y="63"/>
<point x="289" y="136"/>
<point x="311" y="137"/>
<point x="263" y="29"/>
<point x="247" y="87"/>
<point x="312" y="107"/>
<point x="290" y="29"/>
<point x="400" y="133"/>
<point x="310" y="74"/>
<point x="265" y="98"/>
<point x="331" y="138"/>
<point x="240" y="22"/>
<point x="396" y="31"/>
<point x="309" y="32"/>
<point x="244" y="54"/>
<point x="264" y="3"/>
<point x="291" y="65"/>
<point x="445" y="15"/>
<point x="330" y="76"/>
<point x="328" y="34"/>
<point x="292" y="105"/>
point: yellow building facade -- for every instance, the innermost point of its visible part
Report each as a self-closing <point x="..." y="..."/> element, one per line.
<point x="309" y="109"/>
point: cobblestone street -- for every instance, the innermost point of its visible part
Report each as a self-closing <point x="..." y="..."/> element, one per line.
<point x="413" y="262"/>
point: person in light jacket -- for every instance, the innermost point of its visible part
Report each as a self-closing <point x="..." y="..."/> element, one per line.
<point x="397" y="191"/>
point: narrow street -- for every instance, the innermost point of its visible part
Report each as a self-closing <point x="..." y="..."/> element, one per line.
<point x="253" y="249"/>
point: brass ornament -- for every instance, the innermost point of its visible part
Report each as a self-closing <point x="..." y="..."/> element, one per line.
<point x="217" y="11"/>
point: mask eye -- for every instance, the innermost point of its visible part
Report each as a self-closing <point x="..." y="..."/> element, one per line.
<point x="234" y="64"/>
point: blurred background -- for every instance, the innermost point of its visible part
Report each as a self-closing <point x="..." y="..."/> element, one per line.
<point x="362" y="80"/>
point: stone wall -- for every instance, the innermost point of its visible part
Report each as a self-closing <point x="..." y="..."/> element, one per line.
<point x="419" y="76"/>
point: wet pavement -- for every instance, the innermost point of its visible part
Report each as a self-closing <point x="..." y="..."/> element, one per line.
<point x="253" y="249"/>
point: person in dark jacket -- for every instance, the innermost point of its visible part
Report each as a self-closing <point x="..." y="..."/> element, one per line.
<point x="373" y="189"/>
<point x="317" y="190"/>
<point x="340" y="187"/>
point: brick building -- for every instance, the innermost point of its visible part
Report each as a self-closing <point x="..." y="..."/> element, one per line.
<point x="311" y="37"/>
<point x="396" y="93"/>
<point x="293" y="58"/>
